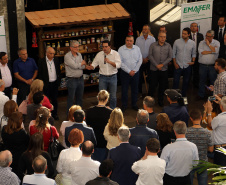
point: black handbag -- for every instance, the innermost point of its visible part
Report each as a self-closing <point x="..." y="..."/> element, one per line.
<point x="54" y="148"/>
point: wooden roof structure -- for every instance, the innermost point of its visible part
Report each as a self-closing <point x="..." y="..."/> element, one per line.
<point x="79" y="15"/>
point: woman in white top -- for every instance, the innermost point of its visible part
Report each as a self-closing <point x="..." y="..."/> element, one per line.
<point x="73" y="153"/>
<point x="110" y="132"/>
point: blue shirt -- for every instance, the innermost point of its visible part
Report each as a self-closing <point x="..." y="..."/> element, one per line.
<point x="131" y="58"/>
<point x="179" y="157"/>
<point x="37" y="179"/>
<point x="144" y="45"/>
<point x="25" y="69"/>
<point x="184" y="52"/>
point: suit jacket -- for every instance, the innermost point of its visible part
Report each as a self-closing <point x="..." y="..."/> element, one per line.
<point x="11" y="71"/>
<point x="199" y="39"/>
<point x="101" y="181"/>
<point x="87" y="132"/>
<point x="43" y="73"/>
<point x="123" y="157"/>
<point x="216" y="36"/>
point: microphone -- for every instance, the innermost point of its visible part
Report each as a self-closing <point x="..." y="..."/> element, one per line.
<point x="104" y="58"/>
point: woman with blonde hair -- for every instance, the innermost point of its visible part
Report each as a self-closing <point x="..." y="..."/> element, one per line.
<point x="110" y="132"/>
<point x="164" y="129"/>
<point x="43" y="126"/>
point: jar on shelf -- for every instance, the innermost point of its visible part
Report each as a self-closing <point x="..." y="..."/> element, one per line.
<point x="84" y="32"/>
<point x="102" y="39"/>
<point x="101" y="30"/>
<point x="43" y="36"/>
<point x="77" y="33"/>
<point x="92" y="39"/>
<point x="93" y="30"/>
<point x="89" y="32"/>
<point x="97" y="30"/>
<point x="67" y="43"/>
<point x="109" y="28"/>
<point x="80" y="41"/>
<point x="53" y="45"/>
<point x="51" y="36"/>
<point x="83" y="41"/>
<point x="81" y="32"/>
<point x="62" y="35"/>
<point x="72" y="33"/>
<point x="88" y="41"/>
<point x="55" y="35"/>
<point x="47" y="36"/>
<point x="98" y="40"/>
<point x="59" y="35"/>
<point x="66" y="34"/>
<point x="69" y="34"/>
<point x="48" y="44"/>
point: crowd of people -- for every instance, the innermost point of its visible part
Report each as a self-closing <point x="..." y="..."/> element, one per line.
<point x="99" y="146"/>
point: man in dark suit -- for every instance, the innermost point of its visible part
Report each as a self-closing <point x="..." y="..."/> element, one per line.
<point x="123" y="157"/>
<point x="49" y="73"/>
<point x="141" y="133"/>
<point x="219" y="35"/>
<point x="79" y="116"/>
<point x="6" y="72"/>
<point x="224" y="48"/>
<point x="196" y="37"/>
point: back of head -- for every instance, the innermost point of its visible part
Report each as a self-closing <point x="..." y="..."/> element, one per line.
<point x="87" y="148"/>
<point x="142" y="116"/>
<point x="39" y="164"/>
<point x="14" y="122"/>
<point x="180" y="127"/>
<point x="149" y="101"/>
<point x="221" y="62"/>
<point x="102" y="96"/>
<point x="79" y="116"/>
<point x="76" y="137"/>
<point x="36" y="86"/>
<point x="124" y="134"/>
<point x="43" y="115"/>
<point x="223" y="103"/>
<point x="153" y="145"/>
<point x="38" y="97"/>
<point x="116" y="121"/>
<point x="72" y="110"/>
<point x="172" y="94"/>
<point x="5" y="158"/>
<point x="164" y="123"/>
<point x="10" y="107"/>
<point x="2" y="54"/>
<point x="195" y="114"/>
<point x="106" y="167"/>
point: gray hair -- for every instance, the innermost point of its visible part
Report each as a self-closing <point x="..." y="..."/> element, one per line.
<point x="5" y="158"/>
<point x="74" y="42"/>
<point x="39" y="164"/>
<point x="223" y="103"/>
<point x="211" y="32"/>
<point x="149" y="101"/>
<point x="180" y="127"/>
<point x="123" y="134"/>
<point x="20" y="49"/>
<point x="142" y="116"/>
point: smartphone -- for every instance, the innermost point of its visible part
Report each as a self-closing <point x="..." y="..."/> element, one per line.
<point x="211" y="98"/>
<point x="208" y="88"/>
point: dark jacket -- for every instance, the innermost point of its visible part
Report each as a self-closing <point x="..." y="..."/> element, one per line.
<point x="123" y="157"/>
<point x="101" y="181"/>
<point x="199" y="39"/>
<point x="216" y="36"/>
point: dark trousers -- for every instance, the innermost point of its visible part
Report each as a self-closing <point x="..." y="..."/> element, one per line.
<point x="8" y="92"/>
<point x="219" y="158"/>
<point x="170" y="180"/>
<point x="195" y="72"/>
<point x="143" y="68"/>
<point x="186" y="72"/>
<point x="52" y="92"/>
<point x="158" y="78"/>
<point x="24" y="90"/>
<point x="127" y="80"/>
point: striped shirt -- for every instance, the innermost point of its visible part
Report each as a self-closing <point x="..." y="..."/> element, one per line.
<point x="220" y="84"/>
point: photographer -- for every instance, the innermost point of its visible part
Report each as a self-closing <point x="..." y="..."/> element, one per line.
<point x="176" y="110"/>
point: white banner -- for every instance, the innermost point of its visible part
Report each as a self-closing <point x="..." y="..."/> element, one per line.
<point x="199" y="12"/>
<point x="2" y="35"/>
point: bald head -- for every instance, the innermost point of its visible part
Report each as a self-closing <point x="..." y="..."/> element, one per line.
<point x="87" y="148"/>
<point x="50" y="52"/>
<point x="142" y="117"/>
<point x="5" y="158"/>
<point x="2" y="85"/>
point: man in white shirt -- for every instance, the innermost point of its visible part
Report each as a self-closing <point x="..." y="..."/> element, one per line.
<point x="6" y="73"/>
<point x="150" y="168"/>
<point x="85" y="169"/>
<point x="38" y="178"/>
<point x="109" y="62"/>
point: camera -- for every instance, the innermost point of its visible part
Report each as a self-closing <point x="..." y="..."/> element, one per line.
<point x="211" y="98"/>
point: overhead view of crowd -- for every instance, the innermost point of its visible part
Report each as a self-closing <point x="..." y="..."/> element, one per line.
<point x="97" y="147"/>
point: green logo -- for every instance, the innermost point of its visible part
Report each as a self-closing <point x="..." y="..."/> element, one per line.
<point x="196" y="9"/>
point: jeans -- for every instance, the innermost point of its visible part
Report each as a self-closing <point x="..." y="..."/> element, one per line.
<point x="127" y="80"/>
<point x="170" y="180"/>
<point x="202" y="177"/>
<point x="110" y="82"/>
<point x="75" y="88"/>
<point x="206" y="71"/>
<point x="186" y="72"/>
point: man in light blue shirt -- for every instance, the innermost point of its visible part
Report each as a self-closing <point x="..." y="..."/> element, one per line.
<point x="131" y="58"/>
<point x="184" y="53"/>
<point x="179" y="156"/>
<point x="144" y="42"/>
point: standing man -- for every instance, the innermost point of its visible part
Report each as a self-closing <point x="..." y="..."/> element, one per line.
<point x="184" y="53"/>
<point x="160" y="54"/>
<point x="196" y="37"/>
<point x="208" y="53"/>
<point x="224" y="48"/>
<point x="131" y="61"/>
<point x="74" y="65"/>
<point x="49" y="73"/>
<point x="144" y="42"/>
<point x="6" y="73"/>
<point x="25" y="71"/>
<point x="109" y="62"/>
<point x="219" y="34"/>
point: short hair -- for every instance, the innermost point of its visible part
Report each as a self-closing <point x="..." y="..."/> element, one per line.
<point x="223" y="17"/>
<point x="153" y="145"/>
<point x="149" y="101"/>
<point x="73" y="42"/>
<point x="106" y="167"/>
<point x="223" y="102"/>
<point x="130" y="36"/>
<point x="142" y="116"/>
<point x="221" y="62"/>
<point x="75" y="137"/>
<point x="162" y="32"/>
<point x="38" y="97"/>
<point x="123" y="134"/>
<point x="149" y="27"/>
<point x="39" y="164"/>
<point x="107" y="41"/>
<point x="211" y="32"/>
<point x="193" y="23"/>
<point x="103" y="95"/>
<point x="188" y="30"/>
<point x="195" y="114"/>
<point x="79" y="116"/>
<point x="10" y="107"/>
<point x="72" y="110"/>
<point x="87" y="148"/>
<point x="180" y="127"/>
<point x="2" y="54"/>
<point x="5" y="158"/>
<point x="20" y="49"/>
